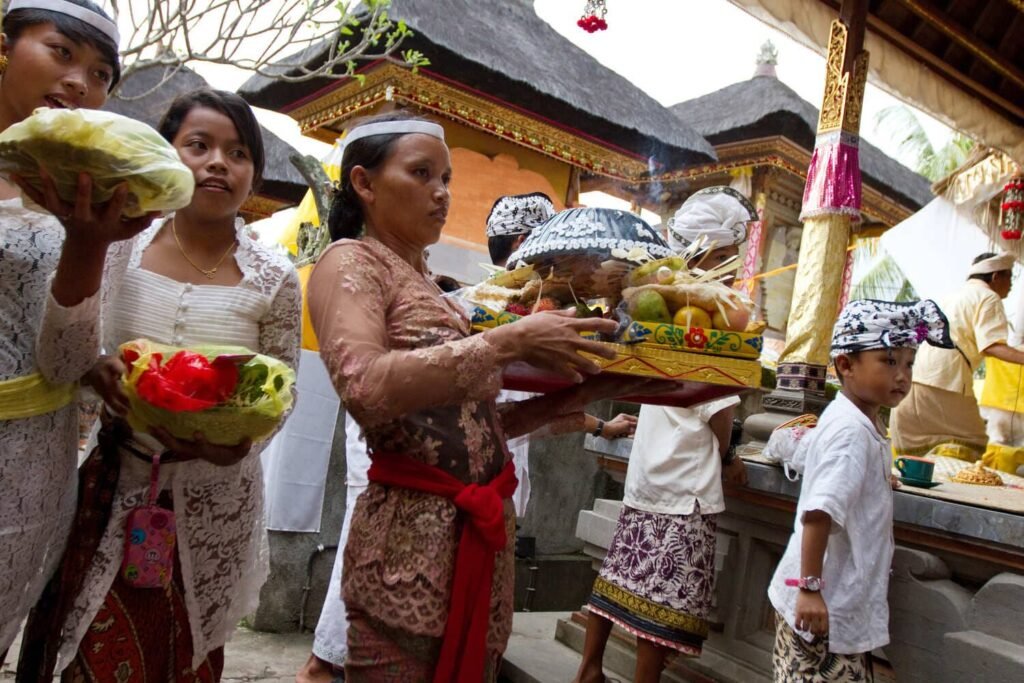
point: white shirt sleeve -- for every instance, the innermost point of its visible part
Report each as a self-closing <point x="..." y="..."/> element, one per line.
<point x="834" y="475"/>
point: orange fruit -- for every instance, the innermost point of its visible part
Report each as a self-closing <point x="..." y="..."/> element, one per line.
<point x="692" y="316"/>
<point x="735" y="319"/>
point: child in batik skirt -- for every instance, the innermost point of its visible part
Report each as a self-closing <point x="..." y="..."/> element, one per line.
<point x="830" y="588"/>
<point x="658" y="577"/>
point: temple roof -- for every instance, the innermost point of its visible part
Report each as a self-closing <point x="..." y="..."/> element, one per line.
<point x="501" y="48"/>
<point x="281" y="180"/>
<point x="765" y="106"/>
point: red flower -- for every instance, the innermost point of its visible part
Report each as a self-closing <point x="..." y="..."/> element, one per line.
<point x="591" y="23"/>
<point x="187" y="382"/>
<point x="1011" y="234"/>
<point x="696" y="338"/>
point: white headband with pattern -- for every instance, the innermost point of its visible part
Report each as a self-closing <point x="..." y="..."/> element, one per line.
<point x="394" y="128"/>
<point x="97" y="21"/>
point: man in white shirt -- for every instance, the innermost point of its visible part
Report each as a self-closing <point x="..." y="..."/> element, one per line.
<point x="941" y="415"/>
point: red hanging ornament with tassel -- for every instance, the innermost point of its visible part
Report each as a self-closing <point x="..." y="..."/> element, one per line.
<point x="593" y="16"/>
<point x="1012" y="209"/>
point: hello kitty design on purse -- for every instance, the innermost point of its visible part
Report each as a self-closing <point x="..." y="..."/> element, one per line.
<point x="150" y="536"/>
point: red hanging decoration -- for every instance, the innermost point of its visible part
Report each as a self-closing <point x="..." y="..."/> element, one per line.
<point x="593" y="16"/>
<point x="1012" y="209"/>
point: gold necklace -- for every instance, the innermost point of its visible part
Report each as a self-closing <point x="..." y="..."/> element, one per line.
<point x="209" y="273"/>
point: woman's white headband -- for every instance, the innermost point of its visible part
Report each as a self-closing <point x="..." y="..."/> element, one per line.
<point x="97" y="21"/>
<point x="394" y="128"/>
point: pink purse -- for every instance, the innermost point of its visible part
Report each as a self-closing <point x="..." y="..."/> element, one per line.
<point x="150" y="535"/>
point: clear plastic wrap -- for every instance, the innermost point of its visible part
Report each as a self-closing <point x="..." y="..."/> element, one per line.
<point x="109" y="147"/>
<point x="166" y="390"/>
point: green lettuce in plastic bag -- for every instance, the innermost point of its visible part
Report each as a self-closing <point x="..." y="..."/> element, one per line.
<point x="109" y="147"/>
<point x="260" y="397"/>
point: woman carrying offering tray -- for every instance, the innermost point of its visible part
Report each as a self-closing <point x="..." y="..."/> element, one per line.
<point x="427" y="577"/>
<point x="195" y="278"/>
<point x="58" y="54"/>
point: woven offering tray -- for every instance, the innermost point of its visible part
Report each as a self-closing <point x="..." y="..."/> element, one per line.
<point x="702" y="376"/>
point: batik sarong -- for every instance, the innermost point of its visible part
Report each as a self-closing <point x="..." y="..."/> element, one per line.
<point x="657" y="579"/>
<point x="378" y="653"/>
<point x="142" y="635"/>
<point x="794" y="660"/>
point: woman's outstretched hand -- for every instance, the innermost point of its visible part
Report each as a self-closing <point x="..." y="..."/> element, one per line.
<point x="100" y="224"/>
<point x="551" y="341"/>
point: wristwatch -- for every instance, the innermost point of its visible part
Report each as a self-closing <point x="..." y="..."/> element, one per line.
<point x="814" y="584"/>
<point x="599" y="430"/>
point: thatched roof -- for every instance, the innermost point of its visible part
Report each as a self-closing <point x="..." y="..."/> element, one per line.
<point x="504" y="50"/>
<point x="280" y="179"/>
<point x="765" y="106"/>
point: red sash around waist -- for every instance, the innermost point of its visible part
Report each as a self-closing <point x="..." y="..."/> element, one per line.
<point x="464" y="647"/>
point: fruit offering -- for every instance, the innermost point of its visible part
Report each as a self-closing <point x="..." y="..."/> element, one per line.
<point x="667" y="290"/>
<point x="675" y="321"/>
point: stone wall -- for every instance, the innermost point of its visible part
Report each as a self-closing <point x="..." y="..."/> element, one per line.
<point x="281" y="600"/>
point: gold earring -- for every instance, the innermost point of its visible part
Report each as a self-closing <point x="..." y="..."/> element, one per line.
<point x="3" y="64"/>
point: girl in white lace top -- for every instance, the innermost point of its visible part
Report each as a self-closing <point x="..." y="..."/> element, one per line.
<point x="50" y="250"/>
<point x="195" y="277"/>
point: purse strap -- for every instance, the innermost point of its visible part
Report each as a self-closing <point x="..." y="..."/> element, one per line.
<point x="154" y="479"/>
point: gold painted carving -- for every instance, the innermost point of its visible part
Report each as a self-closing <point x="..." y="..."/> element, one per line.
<point x="855" y="96"/>
<point x="831" y="115"/>
<point x="392" y="83"/>
<point x="259" y="206"/>
<point x="844" y="92"/>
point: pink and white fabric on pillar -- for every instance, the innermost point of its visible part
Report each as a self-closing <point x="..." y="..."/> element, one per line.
<point x="833" y="178"/>
<point x="755" y="247"/>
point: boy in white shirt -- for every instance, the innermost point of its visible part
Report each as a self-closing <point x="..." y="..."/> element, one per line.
<point x="830" y="587"/>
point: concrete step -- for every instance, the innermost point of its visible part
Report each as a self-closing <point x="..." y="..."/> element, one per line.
<point x="608" y="508"/>
<point x="534" y="656"/>
<point x="595" y="529"/>
<point x="981" y="658"/>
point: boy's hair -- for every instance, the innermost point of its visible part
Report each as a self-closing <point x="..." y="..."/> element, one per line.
<point x="76" y="30"/>
<point x="501" y="247"/>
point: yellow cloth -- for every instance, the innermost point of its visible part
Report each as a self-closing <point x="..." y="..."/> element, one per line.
<point x="936" y="421"/>
<point x="1003" y="458"/>
<point x="306" y="213"/>
<point x="32" y="395"/>
<point x="976" y="321"/>
<point x="816" y="290"/>
<point x="309" y="340"/>
<point x="1003" y="384"/>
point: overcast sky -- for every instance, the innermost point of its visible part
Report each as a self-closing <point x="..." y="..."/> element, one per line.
<point x="672" y="49"/>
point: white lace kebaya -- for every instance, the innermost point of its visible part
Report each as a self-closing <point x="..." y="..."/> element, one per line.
<point x="222" y="544"/>
<point x="38" y="455"/>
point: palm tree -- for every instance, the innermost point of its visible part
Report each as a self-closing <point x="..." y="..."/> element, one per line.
<point x="904" y="129"/>
<point x="876" y="274"/>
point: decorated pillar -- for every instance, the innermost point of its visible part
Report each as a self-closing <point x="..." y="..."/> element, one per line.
<point x="831" y="207"/>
